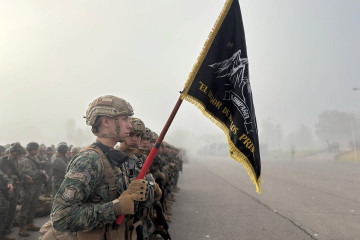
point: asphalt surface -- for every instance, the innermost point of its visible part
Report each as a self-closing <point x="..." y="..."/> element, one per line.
<point x="313" y="198"/>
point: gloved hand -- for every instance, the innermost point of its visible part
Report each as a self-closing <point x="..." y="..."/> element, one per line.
<point x="135" y="192"/>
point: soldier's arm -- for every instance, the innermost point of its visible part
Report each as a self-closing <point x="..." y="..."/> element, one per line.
<point x="71" y="210"/>
<point x="4" y="178"/>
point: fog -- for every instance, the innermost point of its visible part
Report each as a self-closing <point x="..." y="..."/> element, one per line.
<point x="57" y="56"/>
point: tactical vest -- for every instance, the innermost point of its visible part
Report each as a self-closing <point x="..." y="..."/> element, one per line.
<point x="107" y="232"/>
<point x="47" y="232"/>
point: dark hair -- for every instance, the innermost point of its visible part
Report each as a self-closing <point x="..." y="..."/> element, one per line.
<point x="97" y="123"/>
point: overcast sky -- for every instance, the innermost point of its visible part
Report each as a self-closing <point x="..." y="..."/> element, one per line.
<point x="57" y="56"/>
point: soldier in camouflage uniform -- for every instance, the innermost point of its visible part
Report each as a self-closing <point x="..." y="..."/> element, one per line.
<point x="96" y="189"/>
<point x="74" y="151"/>
<point x="2" y="150"/>
<point x="6" y="188"/>
<point x="157" y="170"/>
<point x="157" y="214"/>
<point x="10" y="166"/>
<point x="145" y="142"/>
<point x="47" y="167"/>
<point x="49" y="154"/>
<point x="41" y="156"/>
<point x="167" y="168"/>
<point x="145" y="227"/>
<point x="34" y="178"/>
<point x="58" y="166"/>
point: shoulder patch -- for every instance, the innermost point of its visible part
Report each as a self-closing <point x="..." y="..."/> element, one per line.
<point x="68" y="194"/>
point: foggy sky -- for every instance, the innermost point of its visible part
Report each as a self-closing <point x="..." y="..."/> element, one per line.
<point x="57" y="56"/>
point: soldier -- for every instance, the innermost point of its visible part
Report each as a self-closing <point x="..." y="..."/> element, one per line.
<point x="145" y="141"/>
<point x="41" y="156"/>
<point x="156" y="169"/>
<point x="68" y="153"/>
<point x="74" y="151"/>
<point x="34" y="177"/>
<point x="58" y="166"/>
<point x="156" y="212"/>
<point x="6" y="187"/>
<point x="96" y="189"/>
<point x="2" y="150"/>
<point x="49" y="153"/>
<point x="142" y="219"/>
<point x="10" y="166"/>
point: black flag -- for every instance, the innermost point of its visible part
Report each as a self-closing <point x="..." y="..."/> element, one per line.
<point x="219" y="86"/>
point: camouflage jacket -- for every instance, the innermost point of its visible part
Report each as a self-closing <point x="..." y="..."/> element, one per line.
<point x="29" y="167"/>
<point x="82" y="202"/>
<point x="3" y="179"/>
<point x="58" y="166"/>
<point x="143" y="207"/>
<point x="10" y="168"/>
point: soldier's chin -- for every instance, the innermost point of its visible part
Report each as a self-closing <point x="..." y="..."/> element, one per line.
<point x="121" y="139"/>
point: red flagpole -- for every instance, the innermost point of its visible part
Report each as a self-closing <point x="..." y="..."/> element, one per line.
<point x="154" y="149"/>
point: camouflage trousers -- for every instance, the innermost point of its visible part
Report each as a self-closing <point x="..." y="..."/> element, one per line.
<point x="30" y="195"/>
<point x="13" y="199"/>
<point x="4" y="205"/>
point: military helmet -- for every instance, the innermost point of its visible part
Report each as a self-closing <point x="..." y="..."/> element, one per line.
<point x="62" y="147"/>
<point x="17" y="148"/>
<point x="109" y="106"/>
<point x="2" y="148"/>
<point x="154" y="136"/>
<point x="75" y="150"/>
<point x="137" y="126"/>
<point x="147" y="134"/>
<point x="32" y="146"/>
<point x="42" y="147"/>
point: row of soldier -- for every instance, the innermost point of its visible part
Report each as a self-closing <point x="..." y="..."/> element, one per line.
<point x="40" y="166"/>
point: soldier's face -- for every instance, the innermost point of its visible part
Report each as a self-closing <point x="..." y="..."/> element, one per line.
<point x="145" y="143"/>
<point x="124" y="124"/>
<point x="34" y="152"/>
<point x="72" y="154"/>
<point x="133" y="140"/>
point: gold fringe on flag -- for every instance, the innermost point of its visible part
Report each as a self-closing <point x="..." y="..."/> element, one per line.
<point x="235" y="153"/>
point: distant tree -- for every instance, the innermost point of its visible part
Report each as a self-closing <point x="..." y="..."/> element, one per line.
<point x="302" y="138"/>
<point x="271" y="134"/>
<point x="77" y="136"/>
<point x="335" y="126"/>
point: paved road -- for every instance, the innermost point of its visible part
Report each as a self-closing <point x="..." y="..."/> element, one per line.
<point x="301" y="199"/>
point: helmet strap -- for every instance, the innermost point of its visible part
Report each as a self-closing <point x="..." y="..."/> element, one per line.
<point x="117" y="135"/>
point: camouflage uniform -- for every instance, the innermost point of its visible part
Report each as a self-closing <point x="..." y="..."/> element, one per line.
<point x="2" y="150"/>
<point x="4" y="202"/>
<point x="144" y="208"/>
<point x="142" y="216"/>
<point x="83" y="203"/>
<point x="10" y="168"/>
<point x="28" y="166"/>
<point x="58" y="170"/>
<point x="96" y="189"/>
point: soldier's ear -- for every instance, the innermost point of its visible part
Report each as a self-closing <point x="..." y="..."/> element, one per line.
<point x="105" y="121"/>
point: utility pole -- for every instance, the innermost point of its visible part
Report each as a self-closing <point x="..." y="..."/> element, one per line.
<point x="353" y="133"/>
